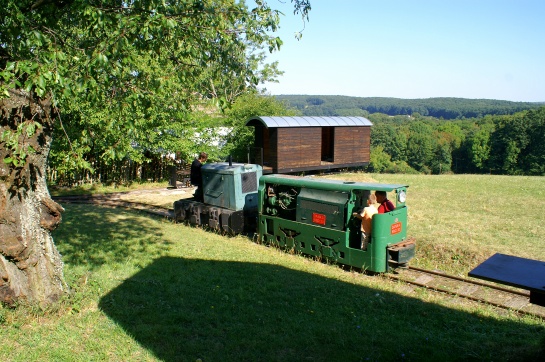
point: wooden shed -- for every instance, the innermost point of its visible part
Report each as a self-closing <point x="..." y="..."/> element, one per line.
<point x="296" y="144"/>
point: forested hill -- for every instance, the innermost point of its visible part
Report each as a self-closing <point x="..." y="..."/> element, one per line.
<point x="446" y="108"/>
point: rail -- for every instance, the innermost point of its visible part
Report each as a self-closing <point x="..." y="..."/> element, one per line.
<point x="488" y="293"/>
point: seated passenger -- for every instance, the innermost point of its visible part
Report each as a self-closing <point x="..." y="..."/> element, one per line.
<point x="385" y="204"/>
<point x="366" y="217"/>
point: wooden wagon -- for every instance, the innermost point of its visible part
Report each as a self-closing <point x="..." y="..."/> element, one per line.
<point x="299" y="144"/>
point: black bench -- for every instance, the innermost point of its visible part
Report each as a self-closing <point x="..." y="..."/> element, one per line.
<point x="514" y="271"/>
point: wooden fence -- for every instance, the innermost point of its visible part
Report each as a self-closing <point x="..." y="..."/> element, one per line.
<point x="123" y="172"/>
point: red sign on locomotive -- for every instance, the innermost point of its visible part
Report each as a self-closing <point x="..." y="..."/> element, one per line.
<point x="318" y="218"/>
<point x="395" y="228"/>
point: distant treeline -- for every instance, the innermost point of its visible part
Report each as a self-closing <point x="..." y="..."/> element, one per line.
<point x="507" y="145"/>
<point x="443" y="108"/>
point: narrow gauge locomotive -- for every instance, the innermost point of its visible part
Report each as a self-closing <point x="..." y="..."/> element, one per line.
<point x="306" y="214"/>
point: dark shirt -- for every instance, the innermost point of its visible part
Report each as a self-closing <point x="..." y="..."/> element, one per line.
<point x="196" y="176"/>
<point x="385" y="206"/>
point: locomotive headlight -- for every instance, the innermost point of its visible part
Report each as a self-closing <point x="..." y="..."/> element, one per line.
<point x="402" y="196"/>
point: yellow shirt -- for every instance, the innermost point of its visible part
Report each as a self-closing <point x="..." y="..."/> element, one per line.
<point x="367" y="218"/>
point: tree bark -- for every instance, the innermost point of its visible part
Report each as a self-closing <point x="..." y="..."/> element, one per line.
<point x="31" y="269"/>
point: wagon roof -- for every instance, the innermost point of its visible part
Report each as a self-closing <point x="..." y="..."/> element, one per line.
<point x="281" y="122"/>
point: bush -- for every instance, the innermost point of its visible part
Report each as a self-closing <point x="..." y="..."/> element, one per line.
<point x="381" y="162"/>
<point x="401" y="167"/>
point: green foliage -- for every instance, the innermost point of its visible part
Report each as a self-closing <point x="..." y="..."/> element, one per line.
<point x="499" y="144"/>
<point x="516" y="144"/>
<point x="315" y="101"/>
<point x="14" y="141"/>
<point x="442" y="160"/>
<point x="380" y="162"/>
<point x="352" y="112"/>
<point x="444" y="108"/>
<point x="420" y="146"/>
<point x="452" y="134"/>
<point x="126" y="76"/>
<point x="247" y="106"/>
<point x="393" y="141"/>
<point x="535" y="151"/>
<point x="480" y="147"/>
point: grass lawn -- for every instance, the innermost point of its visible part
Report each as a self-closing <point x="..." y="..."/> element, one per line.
<point x="145" y="289"/>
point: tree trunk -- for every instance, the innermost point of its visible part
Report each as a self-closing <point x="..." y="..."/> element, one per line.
<point x="31" y="269"/>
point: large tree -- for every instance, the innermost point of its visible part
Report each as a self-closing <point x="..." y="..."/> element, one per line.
<point x="121" y="70"/>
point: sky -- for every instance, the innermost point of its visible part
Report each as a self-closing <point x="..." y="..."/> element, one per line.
<point x="477" y="49"/>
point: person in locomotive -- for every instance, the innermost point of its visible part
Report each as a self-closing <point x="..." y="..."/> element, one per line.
<point x="196" y="175"/>
<point x="385" y="204"/>
<point x="366" y="217"/>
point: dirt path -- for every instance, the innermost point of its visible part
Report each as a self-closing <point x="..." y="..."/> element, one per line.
<point x="160" y="197"/>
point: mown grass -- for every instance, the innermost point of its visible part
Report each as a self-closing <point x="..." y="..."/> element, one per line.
<point x="144" y="289"/>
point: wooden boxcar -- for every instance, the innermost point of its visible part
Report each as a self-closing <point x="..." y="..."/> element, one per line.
<point x="298" y="144"/>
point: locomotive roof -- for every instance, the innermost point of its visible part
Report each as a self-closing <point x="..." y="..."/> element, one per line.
<point x="334" y="185"/>
<point x="277" y="122"/>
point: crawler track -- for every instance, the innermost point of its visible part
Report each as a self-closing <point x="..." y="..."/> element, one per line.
<point x="507" y="298"/>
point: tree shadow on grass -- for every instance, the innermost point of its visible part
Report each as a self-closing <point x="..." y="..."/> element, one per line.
<point x="186" y="309"/>
<point x="93" y="236"/>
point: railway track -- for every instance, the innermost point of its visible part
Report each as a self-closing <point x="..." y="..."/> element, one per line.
<point x="517" y="300"/>
<point x="506" y="298"/>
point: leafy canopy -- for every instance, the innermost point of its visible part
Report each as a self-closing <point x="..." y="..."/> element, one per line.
<point x="124" y="69"/>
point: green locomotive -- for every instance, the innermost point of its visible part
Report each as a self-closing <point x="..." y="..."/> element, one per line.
<point x="310" y="215"/>
<point x="314" y="216"/>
